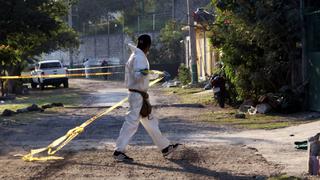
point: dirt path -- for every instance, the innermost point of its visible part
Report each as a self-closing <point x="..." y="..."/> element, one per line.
<point x="276" y="145"/>
<point x="89" y="156"/>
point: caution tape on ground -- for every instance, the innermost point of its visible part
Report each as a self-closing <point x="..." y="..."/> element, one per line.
<point x="59" y="143"/>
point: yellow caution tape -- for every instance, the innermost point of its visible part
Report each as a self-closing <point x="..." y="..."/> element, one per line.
<point x="72" y="133"/>
<point x="90" y="68"/>
<point x="69" y="75"/>
<point x="57" y="75"/>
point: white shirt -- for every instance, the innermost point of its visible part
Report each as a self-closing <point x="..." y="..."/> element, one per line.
<point x="134" y="79"/>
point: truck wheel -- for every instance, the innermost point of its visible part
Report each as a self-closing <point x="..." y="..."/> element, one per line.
<point x="42" y="86"/>
<point x="66" y="84"/>
<point x="33" y="85"/>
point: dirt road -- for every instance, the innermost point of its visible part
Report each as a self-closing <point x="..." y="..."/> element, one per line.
<point x="202" y="156"/>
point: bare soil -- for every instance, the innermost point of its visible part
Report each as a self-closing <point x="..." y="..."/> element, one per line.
<point x="90" y="155"/>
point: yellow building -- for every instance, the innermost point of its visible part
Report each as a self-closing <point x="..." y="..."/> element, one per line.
<point x="207" y="56"/>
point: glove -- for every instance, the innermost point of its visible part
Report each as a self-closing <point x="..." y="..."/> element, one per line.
<point x="144" y="72"/>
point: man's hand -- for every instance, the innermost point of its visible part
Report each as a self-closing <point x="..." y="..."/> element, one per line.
<point x="144" y="72"/>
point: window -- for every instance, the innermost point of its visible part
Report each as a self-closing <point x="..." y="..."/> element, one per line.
<point x="50" y="65"/>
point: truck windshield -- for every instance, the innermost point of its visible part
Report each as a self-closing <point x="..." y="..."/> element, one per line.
<point x="50" y="65"/>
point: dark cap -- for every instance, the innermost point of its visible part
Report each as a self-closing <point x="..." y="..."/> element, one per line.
<point x="144" y="41"/>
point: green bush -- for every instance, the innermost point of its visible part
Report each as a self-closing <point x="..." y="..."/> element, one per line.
<point x="184" y="74"/>
<point x="259" y="44"/>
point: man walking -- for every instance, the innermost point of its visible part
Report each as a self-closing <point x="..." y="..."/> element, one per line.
<point x="137" y="82"/>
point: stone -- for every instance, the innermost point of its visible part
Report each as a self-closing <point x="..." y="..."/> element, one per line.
<point x="246" y="105"/>
<point x="46" y="106"/>
<point x="24" y="110"/>
<point x="240" y="116"/>
<point x="263" y="108"/>
<point x="8" y="112"/>
<point x="34" y="107"/>
<point x="57" y="104"/>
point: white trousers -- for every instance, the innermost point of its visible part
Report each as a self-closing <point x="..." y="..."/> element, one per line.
<point x="131" y="124"/>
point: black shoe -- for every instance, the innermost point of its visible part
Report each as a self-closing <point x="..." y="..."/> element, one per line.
<point x="168" y="150"/>
<point x="121" y="157"/>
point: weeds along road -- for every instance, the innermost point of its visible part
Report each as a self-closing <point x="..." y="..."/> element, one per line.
<point x="89" y="155"/>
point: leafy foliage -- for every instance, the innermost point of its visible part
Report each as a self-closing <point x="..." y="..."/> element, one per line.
<point x="259" y="43"/>
<point x="29" y="28"/>
<point x="184" y="75"/>
<point x="167" y="48"/>
<point x="8" y="53"/>
<point x="122" y="12"/>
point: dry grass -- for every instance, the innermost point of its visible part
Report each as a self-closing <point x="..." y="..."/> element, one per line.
<point x="258" y="121"/>
<point x="227" y="116"/>
<point x="64" y="96"/>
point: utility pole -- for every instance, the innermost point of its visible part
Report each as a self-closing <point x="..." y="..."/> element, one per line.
<point x="95" y="41"/>
<point x="194" y="69"/>
<point x="94" y="26"/>
<point x="173" y="9"/>
<point x="138" y="24"/>
<point x="204" y="51"/>
<point x="154" y="22"/>
<point x="108" y="19"/>
<point x="304" y="42"/>
<point x="70" y="25"/>
<point x="123" y="45"/>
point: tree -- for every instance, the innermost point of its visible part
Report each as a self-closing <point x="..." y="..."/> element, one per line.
<point x="259" y="43"/>
<point x="129" y="10"/>
<point x="168" y="49"/>
<point x="29" y="28"/>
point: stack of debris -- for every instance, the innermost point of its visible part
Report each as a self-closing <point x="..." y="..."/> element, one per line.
<point x="32" y="108"/>
<point x="285" y="101"/>
<point x="171" y="83"/>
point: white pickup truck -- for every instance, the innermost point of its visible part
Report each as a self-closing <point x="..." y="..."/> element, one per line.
<point x="51" y="67"/>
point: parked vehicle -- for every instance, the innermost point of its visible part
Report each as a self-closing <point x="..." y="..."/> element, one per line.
<point x="51" y="67"/>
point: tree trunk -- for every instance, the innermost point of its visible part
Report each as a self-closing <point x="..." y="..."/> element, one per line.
<point x="2" y="88"/>
<point x="14" y="86"/>
<point x="2" y="73"/>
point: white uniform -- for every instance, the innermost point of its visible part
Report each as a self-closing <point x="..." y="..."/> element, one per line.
<point x="134" y="79"/>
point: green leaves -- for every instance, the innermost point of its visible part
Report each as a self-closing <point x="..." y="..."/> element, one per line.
<point x="8" y="53"/>
<point x="34" y="27"/>
<point x="169" y="49"/>
<point x="257" y="38"/>
<point x="29" y="28"/>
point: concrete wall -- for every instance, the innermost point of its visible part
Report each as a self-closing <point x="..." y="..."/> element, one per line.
<point x="96" y="47"/>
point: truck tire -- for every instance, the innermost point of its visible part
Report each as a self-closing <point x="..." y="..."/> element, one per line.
<point x="42" y="86"/>
<point x="66" y="84"/>
<point x="33" y="85"/>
